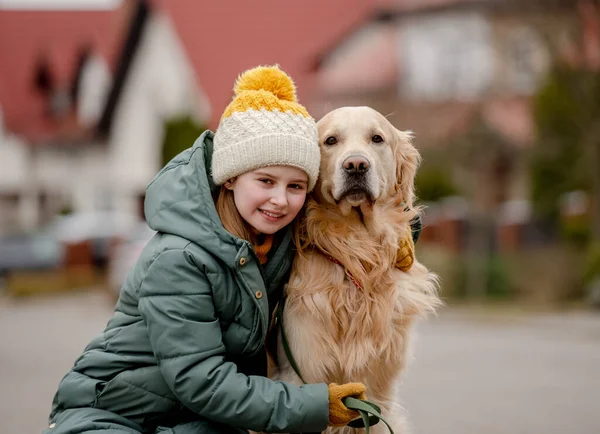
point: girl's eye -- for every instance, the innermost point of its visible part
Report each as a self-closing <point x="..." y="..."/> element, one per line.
<point x="330" y="141"/>
<point x="266" y="181"/>
<point x="296" y="186"/>
<point x="377" y="138"/>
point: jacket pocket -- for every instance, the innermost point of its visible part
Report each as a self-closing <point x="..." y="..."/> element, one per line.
<point x="132" y="401"/>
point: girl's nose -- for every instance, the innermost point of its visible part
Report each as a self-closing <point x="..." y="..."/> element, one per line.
<point x="279" y="198"/>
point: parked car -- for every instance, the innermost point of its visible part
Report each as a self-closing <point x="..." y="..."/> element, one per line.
<point x="30" y="252"/>
<point x="101" y="228"/>
<point x="124" y="254"/>
<point x="47" y="248"/>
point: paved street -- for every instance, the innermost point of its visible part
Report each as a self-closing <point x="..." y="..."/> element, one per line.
<point x="486" y="373"/>
<point x="39" y="341"/>
<point x="473" y="373"/>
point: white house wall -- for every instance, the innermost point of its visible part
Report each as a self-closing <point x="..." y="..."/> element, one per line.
<point x="93" y="90"/>
<point x="446" y="56"/>
<point x="469" y="56"/>
<point x="16" y="212"/>
<point x="160" y="85"/>
<point x="91" y="189"/>
<point x="13" y="163"/>
<point x="77" y="175"/>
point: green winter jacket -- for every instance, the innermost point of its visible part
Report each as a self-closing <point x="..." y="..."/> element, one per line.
<point x="192" y="311"/>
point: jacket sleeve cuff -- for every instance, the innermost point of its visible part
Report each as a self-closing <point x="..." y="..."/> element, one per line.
<point x="317" y="411"/>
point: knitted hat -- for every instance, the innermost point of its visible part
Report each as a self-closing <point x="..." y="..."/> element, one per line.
<point x="265" y="126"/>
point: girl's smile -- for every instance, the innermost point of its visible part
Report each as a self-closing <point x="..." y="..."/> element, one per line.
<point x="272" y="216"/>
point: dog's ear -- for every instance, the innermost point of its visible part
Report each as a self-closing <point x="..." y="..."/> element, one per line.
<point x="407" y="162"/>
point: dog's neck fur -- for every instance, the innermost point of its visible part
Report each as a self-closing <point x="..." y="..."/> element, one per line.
<point x="372" y="234"/>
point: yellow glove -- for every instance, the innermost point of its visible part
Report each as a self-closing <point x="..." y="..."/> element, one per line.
<point x="339" y="414"/>
<point x="406" y="253"/>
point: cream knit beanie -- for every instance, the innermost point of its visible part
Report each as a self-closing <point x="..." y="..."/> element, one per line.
<point x="265" y="126"/>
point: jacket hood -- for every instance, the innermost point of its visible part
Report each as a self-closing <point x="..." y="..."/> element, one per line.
<point x="179" y="201"/>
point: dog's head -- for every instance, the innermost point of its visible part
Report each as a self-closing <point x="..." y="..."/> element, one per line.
<point x="364" y="158"/>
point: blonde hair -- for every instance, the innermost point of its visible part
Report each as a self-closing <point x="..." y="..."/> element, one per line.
<point x="230" y="216"/>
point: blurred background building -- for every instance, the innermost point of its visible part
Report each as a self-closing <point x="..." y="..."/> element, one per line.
<point x="502" y="96"/>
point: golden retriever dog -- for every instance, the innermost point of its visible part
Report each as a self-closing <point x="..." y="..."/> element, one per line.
<point x="349" y="310"/>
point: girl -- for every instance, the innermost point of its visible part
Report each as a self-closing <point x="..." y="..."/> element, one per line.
<point x="184" y="350"/>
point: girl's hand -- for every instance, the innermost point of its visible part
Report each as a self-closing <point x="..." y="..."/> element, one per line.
<point x="339" y="414"/>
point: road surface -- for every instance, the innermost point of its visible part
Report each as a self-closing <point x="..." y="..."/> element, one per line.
<point x="474" y="371"/>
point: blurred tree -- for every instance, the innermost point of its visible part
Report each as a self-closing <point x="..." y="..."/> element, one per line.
<point x="567" y="153"/>
<point x="487" y="160"/>
<point x="567" y="158"/>
<point x="180" y="134"/>
<point x="434" y="180"/>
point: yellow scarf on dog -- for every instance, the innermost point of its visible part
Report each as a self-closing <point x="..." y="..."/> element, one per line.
<point x="406" y="254"/>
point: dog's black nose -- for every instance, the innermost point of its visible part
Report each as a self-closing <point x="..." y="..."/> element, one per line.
<point x="355" y="165"/>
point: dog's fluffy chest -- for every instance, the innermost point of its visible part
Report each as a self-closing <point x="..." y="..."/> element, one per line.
<point x="339" y="330"/>
<point x="353" y="332"/>
<point x="367" y="337"/>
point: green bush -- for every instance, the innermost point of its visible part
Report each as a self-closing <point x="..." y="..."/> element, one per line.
<point x="565" y="111"/>
<point x="434" y="178"/>
<point x="180" y="134"/>
<point x="497" y="280"/>
<point x="591" y="269"/>
<point x="433" y="184"/>
<point x="576" y="230"/>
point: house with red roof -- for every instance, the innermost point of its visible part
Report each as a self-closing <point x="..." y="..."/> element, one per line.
<point x="38" y="65"/>
<point x="444" y="68"/>
<point x="461" y="74"/>
<point x="442" y="59"/>
<point x="87" y="93"/>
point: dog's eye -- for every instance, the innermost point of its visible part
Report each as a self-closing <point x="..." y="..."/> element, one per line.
<point x="329" y="141"/>
<point x="377" y="138"/>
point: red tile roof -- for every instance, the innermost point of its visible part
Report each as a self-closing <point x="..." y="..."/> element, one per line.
<point x="223" y="38"/>
<point x="370" y="62"/>
<point x="27" y="35"/>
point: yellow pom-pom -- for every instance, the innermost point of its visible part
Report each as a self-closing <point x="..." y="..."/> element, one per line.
<point x="269" y="78"/>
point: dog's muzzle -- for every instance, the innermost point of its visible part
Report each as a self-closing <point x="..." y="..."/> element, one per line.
<point x="355" y="171"/>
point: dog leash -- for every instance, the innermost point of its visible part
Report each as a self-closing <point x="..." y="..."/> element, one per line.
<point x="370" y="413"/>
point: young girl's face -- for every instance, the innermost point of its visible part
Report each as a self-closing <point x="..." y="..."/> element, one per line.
<point x="269" y="198"/>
